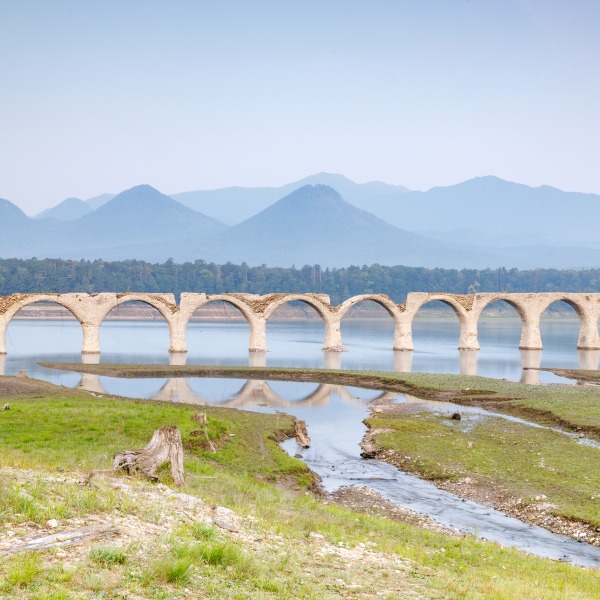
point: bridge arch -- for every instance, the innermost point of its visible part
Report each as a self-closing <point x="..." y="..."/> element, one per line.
<point x="332" y="338"/>
<point x="18" y="301"/>
<point x="110" y="332"/>
<point x="163" y="303"/>
<point x="383" y="303"/>
<point x="242" y="318"/>
<point x="462" y="308"/>
<point x="276" y="301"/>
<point x="383" y="300"/>
<point x="519" y="306"/>
<point x="11" y="305"/>
<point x="588" y="336"/>
<point x="241" y="302"/>
<point x="483" y="302"/>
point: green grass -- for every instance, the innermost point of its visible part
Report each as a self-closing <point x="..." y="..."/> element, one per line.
<point x="37" y="501"/>
<point x="73" y="431"/>
<point x="524" y="461"/>
<point x="24" y="570"/>
<point x="108" y="555"/>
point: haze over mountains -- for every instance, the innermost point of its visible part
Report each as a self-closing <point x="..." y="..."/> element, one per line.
<point x="324" y="219"/>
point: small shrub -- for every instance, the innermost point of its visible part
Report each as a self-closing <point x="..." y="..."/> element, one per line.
<point x="107" y="555"/>
<point x="24" y="570"/>
<point x="201" y="531"/>
<point x="222" y="554"/>
<point x="173" y="570"/>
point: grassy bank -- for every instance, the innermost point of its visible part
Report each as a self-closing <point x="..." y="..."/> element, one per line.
<point x="539" y="475"/>
<point x="574" y="408"/>
<point x="289" y="544"/>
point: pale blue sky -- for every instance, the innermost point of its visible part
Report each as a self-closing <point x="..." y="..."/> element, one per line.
<point x="98" y="96"/>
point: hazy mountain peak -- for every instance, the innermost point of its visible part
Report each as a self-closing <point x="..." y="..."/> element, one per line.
<point x="67" y="210"/>
<point x="144" y="209"/>
<point x="324" y="178"/>
<point x="312" y="193"/>
<point x="140" y="198"/>
<point x="8" y="210"/>
<point x="318" y="210"/>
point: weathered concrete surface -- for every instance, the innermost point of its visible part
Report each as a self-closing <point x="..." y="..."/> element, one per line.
<point x="529" y="307"/>
<point x="91" y="309"/>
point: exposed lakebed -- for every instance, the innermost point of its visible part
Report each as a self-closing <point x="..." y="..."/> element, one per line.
<point x="334" y="415"/>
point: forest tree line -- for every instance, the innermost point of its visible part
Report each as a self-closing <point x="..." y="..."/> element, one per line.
<point x="60" y="276"/>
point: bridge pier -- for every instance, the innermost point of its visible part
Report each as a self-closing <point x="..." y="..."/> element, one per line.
<point x="91" y="382"/>
<point x="177" y="358"/>
<point x="531" y="361"/>
<point x="403" y="361"/>
<point x="468" y="332"/>
<point x="403" y="340"/>
<point x="531" y="338"/>
<point x="588" y="359"/>
<point x="91" y="338"/>
<point x="332" y="360"/>
<point x="588" y="331"/>
<point x="468" y="362"/>
<point x="178" y="334"/>
<point x="257" y="359"/>
<point x="258" y="333"/>
<point x="333" y="334"/>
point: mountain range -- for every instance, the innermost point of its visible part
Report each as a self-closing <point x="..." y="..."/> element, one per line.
<point x="483" y="222"/>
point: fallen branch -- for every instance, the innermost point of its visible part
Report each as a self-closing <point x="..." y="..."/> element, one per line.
<point x="64" y="538"/>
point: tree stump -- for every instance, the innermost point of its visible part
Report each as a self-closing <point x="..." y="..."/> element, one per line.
<point x="165" y="446"/>
<point x="302" y="434"/>
<point x="202" y="419"/>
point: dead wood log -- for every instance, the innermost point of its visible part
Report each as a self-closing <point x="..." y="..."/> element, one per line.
<point x="65" y="538"/>
<point x="165" y="446"/>
<point x="301" y="433"/>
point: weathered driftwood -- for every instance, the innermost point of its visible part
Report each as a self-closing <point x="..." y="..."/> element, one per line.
<point x="165" y="446"/>
<point x="301" y="433"/>
<point x="64" y="538"/>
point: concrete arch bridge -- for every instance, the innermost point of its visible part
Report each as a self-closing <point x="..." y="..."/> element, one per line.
<point x="91" y="310"/>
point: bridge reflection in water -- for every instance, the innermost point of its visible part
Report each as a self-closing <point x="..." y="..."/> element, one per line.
<point x="258" y="391"/>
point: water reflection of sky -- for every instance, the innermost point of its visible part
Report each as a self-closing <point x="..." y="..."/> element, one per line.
<point x="299" y="343"/>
